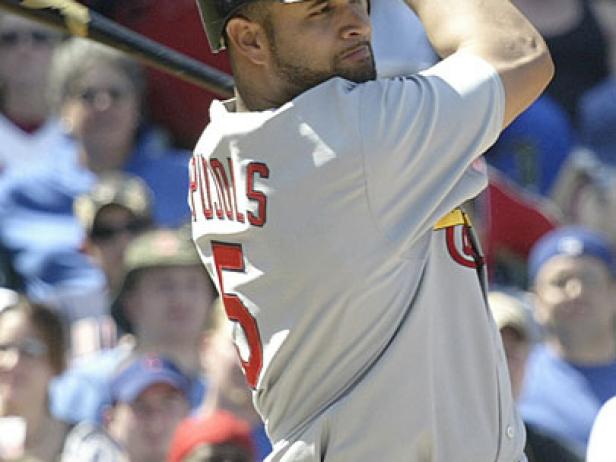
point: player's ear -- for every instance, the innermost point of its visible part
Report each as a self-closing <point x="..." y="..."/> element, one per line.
<point x="248" y="39"/>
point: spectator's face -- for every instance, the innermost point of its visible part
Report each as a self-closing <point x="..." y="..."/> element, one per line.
<point x="25" y="370"/>
<point x="575" y="296"/>
<point x="516" y="350"/>
<point x="114" y="228"/>
<point x="170" y="304"/>
<point x="25" y="52"/>
<point x="145" y="427"/>
<point x="102" y="108"/>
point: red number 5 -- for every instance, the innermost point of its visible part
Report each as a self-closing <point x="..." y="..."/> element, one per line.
<point x="229" y="257"/>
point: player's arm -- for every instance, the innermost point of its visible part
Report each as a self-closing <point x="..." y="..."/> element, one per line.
<point x="496" y="31"/>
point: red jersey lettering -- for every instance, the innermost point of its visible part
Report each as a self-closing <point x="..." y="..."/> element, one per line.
<point x="256" y="168"/>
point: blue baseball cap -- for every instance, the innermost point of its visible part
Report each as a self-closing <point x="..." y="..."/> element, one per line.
<point x="573" y="241"/>
<point x="144" y="372"/>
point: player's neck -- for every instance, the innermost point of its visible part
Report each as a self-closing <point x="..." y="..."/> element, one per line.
<point x="239" y="104"/>
<point x="250" y="102"/>
<point x="262" y="91"/>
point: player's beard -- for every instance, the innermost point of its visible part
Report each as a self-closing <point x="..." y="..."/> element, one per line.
<point x="299" y="77"/>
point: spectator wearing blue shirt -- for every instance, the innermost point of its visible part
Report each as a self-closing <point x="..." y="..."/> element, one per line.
<point x="98" y="94"/>
<point x="572" y="372"/>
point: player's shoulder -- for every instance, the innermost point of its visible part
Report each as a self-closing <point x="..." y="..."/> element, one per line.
<point x="333" y="103"/>
<point x="226" y="120"/>
<point x="338" y="89"/>
<point x="337" y="101"/>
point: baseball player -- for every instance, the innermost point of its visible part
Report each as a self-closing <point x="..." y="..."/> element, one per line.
<point x="324" y="206"/>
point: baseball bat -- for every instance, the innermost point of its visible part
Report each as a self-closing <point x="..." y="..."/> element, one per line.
<point x="77" y="19"/>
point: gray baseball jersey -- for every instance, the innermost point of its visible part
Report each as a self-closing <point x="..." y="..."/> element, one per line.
<point x="330" y="228"/>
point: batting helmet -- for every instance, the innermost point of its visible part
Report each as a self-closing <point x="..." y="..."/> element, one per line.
<point x="216" y="13"/>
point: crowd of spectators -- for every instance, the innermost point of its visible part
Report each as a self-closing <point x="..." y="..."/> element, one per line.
<point x="111" y="335"/>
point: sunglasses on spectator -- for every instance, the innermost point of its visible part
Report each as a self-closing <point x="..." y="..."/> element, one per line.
<point x="9" y="39"/>
<point x="89" y="95"/>
<point x="29" y="347"/>
<point x="106" y="232"/>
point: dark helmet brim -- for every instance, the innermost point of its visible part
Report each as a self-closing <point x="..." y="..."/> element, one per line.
<point x="214" y="18"/>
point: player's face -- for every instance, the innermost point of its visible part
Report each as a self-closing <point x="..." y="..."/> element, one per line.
<point x="575" y="297"/>
<point x="315" y="40"/>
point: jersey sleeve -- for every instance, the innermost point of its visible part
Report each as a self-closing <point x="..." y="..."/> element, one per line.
<point x="420" y="136"/>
